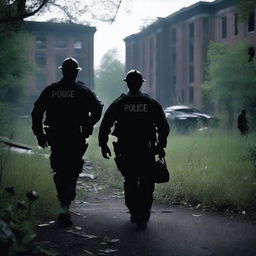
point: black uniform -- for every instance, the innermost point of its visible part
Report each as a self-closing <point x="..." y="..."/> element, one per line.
<point x="71" y="112"/>
<point x="242" y="123"/>
<point x="136" y="118"/>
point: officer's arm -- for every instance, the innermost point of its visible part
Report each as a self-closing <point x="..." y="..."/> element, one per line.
<point x="38" y="114"/>
<point x="105" y="129"/>
<point x="95" y="108"/>
<point x="162" y="125"/>
<point x="37" y="119"/>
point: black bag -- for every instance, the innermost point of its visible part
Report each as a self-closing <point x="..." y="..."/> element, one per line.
<point x="161" y="173"/>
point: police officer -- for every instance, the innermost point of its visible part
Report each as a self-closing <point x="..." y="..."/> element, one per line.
<point x="242" y="123"/>
<point x="139" y="122"/>
<point x="71" y="110"/>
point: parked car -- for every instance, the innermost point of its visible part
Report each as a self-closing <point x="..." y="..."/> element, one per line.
<point x="182" y="122"/>
<point x="205" y="119"/>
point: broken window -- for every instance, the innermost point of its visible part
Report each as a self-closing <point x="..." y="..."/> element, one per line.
<point x="224" y="27"/>
<point x="191" y="30"/>
<point x="235" y="24"/>
<point x="251" y="21"/>
<point x="191" y="73"/>
<point x="174" y="39"/>
<point x="191" y="95"/>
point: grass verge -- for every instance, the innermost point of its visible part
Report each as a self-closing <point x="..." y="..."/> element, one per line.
<point x="208" y="168"/>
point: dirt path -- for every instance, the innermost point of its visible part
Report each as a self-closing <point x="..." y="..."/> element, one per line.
<point x="102" y="227"/>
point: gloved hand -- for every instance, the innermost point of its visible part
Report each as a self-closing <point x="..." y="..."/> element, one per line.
<point x="42" y="140"/>
<point x="161" y="152"/>
<point x="105" y="151"/>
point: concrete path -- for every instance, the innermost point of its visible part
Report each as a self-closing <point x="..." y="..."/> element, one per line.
<point x="172" y="231"/>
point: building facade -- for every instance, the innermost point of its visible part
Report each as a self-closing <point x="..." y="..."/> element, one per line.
<point x="171" y="53"/>
<point x="50" y="43"/>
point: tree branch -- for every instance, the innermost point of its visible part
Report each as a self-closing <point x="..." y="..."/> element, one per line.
<point x="113" y="19"/>
<point x="22" y="15"/>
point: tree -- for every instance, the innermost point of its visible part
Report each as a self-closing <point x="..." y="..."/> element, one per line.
<point x="245" y="7"/>
<point x="109" y="78"/>
<point x="231" y="79"/>
<point x="74" y="11"/>
<point x="13" y="66"/>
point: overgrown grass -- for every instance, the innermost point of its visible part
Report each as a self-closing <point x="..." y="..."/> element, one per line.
<point x="30" y="172"/>
<point x="106" y="170"/>
<point x="210" y="168"/>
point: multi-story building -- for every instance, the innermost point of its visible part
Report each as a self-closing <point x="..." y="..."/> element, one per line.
<point x="50" y="43"/>
<point x="171" y="53"/>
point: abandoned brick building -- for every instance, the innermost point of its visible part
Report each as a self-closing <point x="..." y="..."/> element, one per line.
<point x="171" y="53"/>
<point x="50" y="43"/>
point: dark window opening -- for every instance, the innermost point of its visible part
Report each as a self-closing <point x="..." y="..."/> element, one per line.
<point x="206" y="26"/>
<point x="191" y="74"/>
<point x="251" y="53"/>
<point x="61" y="43"/>
<point x="191" y="95"/>
<point x="41" y="42"/>
<point x="251" y="22"/>
<point x="174" y="39"/>
<point x="191" y="30"/>
<point x="235" y="24"/>
<point x="191" y="52"/>
<point x="224" y="27"/>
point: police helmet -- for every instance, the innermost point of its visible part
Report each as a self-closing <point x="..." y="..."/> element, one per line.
<point x="134" y="75"/>
<point x="70" y="64"/>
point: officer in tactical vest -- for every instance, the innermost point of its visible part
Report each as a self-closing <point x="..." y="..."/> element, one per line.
<point x="141" y="130"/>
<point x="71" y="110"/>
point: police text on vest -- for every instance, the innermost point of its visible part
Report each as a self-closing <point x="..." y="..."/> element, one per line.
<point x="135" y="107"/>
<point x="63" y="94"/>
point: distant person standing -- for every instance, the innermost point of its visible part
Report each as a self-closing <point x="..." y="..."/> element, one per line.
<point x="71" y="110"/>
<point x="242" y="123"/>
<point x="141" y="129"/>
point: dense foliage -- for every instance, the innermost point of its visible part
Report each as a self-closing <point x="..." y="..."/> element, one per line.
<point x="109" y="82"/>
<point x="231" y="78"/>
<point x="245" y="7"/>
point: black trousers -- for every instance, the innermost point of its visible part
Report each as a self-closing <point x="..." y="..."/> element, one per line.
<point x="66" y="162"/>
<point x="139" y="184"/>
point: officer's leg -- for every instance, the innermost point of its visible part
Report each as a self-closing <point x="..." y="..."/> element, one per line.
<point x="131" y="195"/>
<point x="146" y="189"/>
<point x="65" y="183"/>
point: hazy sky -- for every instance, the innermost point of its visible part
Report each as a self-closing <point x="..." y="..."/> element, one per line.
<point x="111" y="36"/>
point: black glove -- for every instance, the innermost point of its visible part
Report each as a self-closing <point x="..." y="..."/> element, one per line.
<point x="42" y="140"/>
<point x="161" y="153"/>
